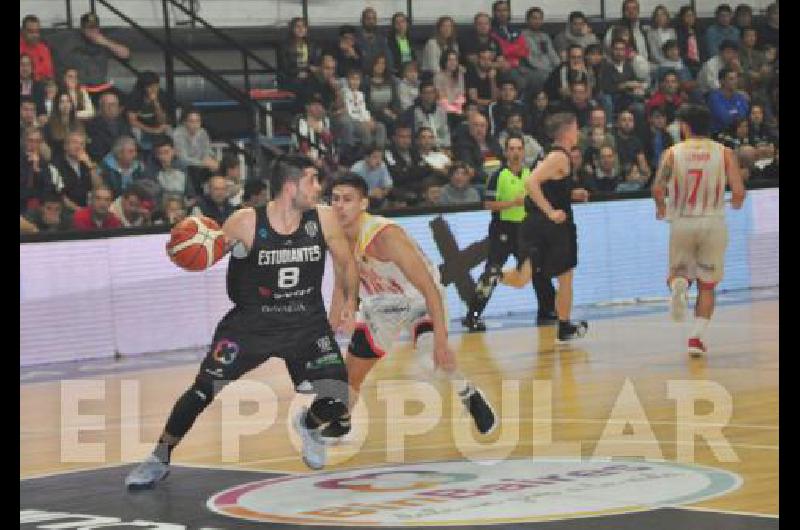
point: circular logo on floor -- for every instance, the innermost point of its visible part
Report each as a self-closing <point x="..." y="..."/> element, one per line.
<point x="464" y="492"/>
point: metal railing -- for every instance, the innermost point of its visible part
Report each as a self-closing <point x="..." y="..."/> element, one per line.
<point x="172" y="51"/>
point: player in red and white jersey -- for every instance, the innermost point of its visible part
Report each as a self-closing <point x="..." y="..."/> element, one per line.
<point x="689" y="191"/>
<point x="399" y="290"/>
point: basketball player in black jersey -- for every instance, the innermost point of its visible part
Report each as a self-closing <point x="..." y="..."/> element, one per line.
<point x="274" y="280"/>
<point x="548" y="237"/>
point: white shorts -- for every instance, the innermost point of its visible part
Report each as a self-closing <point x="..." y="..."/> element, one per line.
<point x="381" y="318"/>
<point x="697" y="248"/>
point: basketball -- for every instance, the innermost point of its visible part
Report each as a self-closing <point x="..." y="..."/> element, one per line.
<point x="196" y="243"/>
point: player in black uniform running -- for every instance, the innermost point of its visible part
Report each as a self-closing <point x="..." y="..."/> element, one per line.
<point x="274" y="280"/>
<point x="505" y="195"/>
<point x="548" y="237"/>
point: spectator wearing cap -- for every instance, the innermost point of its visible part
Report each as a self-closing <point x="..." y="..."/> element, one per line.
<point x="88" y="51"/>
<point x="577" y="32"/>
<point x="97" y="215"/>
<point x="372" y="42"/>
<point x="728" y="57"/>
<point x="726" y="103"/>
<point x="721" y="30"/>
<point x="32" y="45"/>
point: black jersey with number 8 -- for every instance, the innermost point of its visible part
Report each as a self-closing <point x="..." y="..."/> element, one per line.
<point x="278" y="284"/>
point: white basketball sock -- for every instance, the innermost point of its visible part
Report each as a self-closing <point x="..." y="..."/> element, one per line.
<point x="700" y="325"/>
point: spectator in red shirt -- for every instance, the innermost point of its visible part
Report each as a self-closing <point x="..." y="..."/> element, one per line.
<point x="97" y="215"/>
<point x="30" y="43"/>
<point x="668" y="96"/>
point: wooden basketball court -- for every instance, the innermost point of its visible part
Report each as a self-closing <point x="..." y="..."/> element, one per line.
<point x="593" y="392"/>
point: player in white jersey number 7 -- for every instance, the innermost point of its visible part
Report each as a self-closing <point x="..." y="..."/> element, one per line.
<point x="399" y="289"/>
<point x="693" y="175"/>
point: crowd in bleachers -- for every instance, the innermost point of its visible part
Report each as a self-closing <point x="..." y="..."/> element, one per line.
<point x="423" y="123"/>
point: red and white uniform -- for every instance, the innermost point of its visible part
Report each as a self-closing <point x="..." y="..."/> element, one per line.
<point x="389" y="302"/>
<point x="696" y="210"/>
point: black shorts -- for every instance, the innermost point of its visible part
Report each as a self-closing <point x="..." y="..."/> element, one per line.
<point x="236" y="349"/>
<point x="551" y="247"/>
<point x="503" y="242"/>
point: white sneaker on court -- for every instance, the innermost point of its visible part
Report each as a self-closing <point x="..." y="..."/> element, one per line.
<point x="679" y="299"/>
<point x="314" y="453"/>
<point x="146" y="474"/>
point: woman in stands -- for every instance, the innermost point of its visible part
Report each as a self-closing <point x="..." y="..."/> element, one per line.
<point x="296" y="56"/>
<point x="84" y="108"/>
<point x="380" y="93"/>
<point x="449" y="81"/>
<point x="444" y="38"/>
<point x="399" y="42"/>
<point x="63" y="120"/>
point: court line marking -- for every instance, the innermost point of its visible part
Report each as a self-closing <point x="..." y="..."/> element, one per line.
<point x="526" y="443"/>
<point x="173" y="464"/>
<point x="717" y="510"/>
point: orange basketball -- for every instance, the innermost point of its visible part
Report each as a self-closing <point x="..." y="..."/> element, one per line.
<point x="196" y="243"/>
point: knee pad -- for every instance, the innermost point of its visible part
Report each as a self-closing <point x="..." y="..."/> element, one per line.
<point x="327" y="409"/>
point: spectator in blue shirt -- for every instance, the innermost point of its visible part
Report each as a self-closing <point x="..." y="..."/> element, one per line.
<point x="725" y="103"/>
<point x="722" y="30"/>
<point x="373" y="170"/>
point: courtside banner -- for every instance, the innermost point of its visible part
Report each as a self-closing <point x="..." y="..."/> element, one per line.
<point x="97" y="298"/>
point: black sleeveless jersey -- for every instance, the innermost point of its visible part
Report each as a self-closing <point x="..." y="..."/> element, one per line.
<point x="277" y="286"/>
<point x="557" y="192"/>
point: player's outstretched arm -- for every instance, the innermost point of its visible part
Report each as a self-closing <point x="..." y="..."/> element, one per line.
<point x="662" y="179"/>
<point x="735" y="180"/>
<point x="555" y="166"/>
<point x="239" y="227"/>
<point x="344" y="264"/>
<point x="393" y="244"/>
